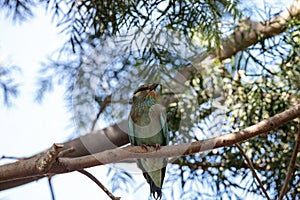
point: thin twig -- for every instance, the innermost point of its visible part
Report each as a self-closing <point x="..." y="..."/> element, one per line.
<point x="253" y="170"/>
<point x="11" y="157"/>
<point x="51" y="188"/>
<point x="93" y="178"/>
<point x="107" y="100"/>
<point x="291" y="165"/>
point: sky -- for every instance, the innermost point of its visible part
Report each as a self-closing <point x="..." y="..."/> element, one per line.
<point x="28" y="127"/>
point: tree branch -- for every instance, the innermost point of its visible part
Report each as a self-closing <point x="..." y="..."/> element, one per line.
<point x="103" y="106"/>
<point x="97" y="141"/>
<point x="246" y="34"/>
<point x="249" y="32"/>
<point x="93" y="178"/>
<point x="291" y="165"/>
<point x="107" y="100"/>
<point x="46" y="160"/>
<point x="128" y="152"/>
<point x="253" y="170"/>
<point x="27" y="168"/>
<point x="51" y="188"/>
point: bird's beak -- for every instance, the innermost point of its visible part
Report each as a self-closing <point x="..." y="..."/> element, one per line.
<point x="153" y="86"/>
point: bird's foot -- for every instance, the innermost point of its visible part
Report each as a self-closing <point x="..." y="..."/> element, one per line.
<point x="145" y="146"/>
<point x="157" y="146"/>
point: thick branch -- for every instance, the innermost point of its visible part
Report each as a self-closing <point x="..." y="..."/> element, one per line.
<point x="246" y="34"/>
<point x="98" y="141"/>
<point x="116" y="155"/>
<point x="16" y="170"/>
<point x="249" y="32"/>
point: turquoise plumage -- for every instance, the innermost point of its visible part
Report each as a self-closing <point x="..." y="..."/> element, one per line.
<point x="147" y="126"/>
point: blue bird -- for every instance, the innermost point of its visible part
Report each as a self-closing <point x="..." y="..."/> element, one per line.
<point x="147" y="126"/>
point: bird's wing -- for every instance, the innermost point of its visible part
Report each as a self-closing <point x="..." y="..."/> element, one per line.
<point x="131" y="131"/>
<point x="164" y="125"/>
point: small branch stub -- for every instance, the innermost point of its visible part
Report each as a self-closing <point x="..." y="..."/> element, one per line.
<point x="45" y="162"/>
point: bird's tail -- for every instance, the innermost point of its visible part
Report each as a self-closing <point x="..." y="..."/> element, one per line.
<point x="156" y="177"/>
<point x="154" y="190"/>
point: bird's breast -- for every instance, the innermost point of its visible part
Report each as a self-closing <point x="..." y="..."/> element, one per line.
<point x="147" y="125"/>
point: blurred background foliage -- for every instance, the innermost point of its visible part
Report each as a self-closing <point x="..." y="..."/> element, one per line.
<point x="116" y="45"/>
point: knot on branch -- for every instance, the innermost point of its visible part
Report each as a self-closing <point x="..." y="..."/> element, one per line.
<point x="47" y="159"/>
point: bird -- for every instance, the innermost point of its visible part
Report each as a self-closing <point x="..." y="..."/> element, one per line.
<point x="147" y="126"/>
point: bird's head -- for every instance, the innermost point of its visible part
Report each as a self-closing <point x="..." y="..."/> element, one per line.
<point x="144" y="92"/>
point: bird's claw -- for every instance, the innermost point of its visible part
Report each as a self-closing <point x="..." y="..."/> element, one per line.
<point x="144" y="146"/>
<point x="157" y="147"/>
